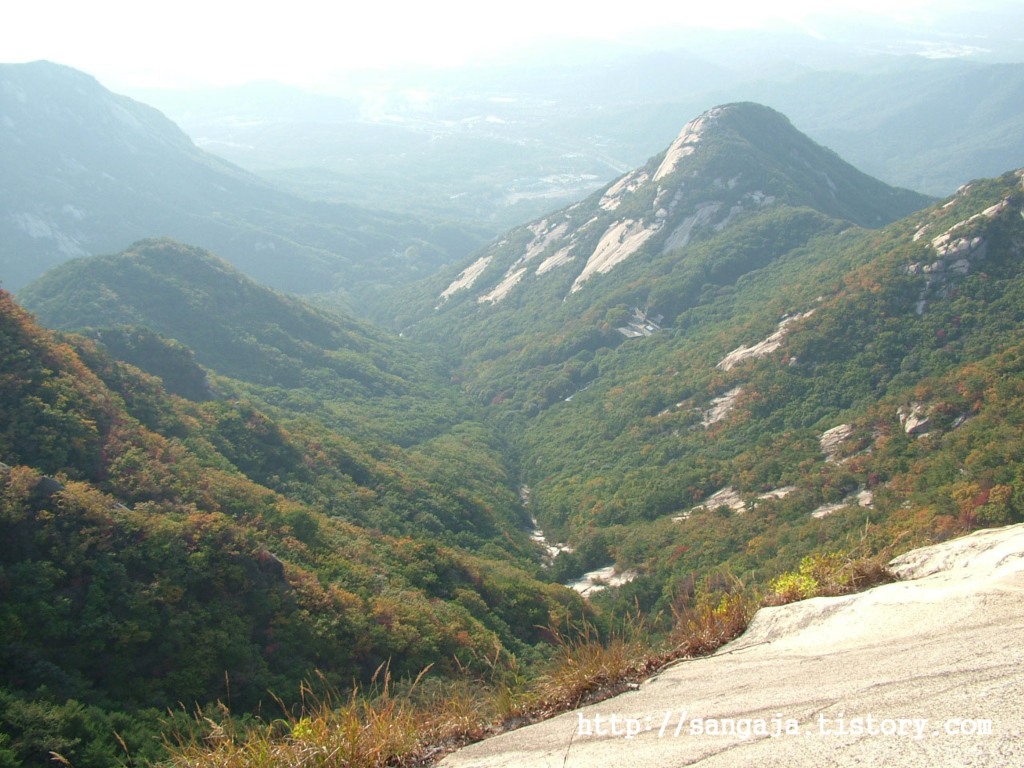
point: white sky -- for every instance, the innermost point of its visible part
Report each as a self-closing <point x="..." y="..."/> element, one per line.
<point x="130" y="43"/>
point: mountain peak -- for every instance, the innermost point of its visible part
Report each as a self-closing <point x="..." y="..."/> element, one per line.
<point x="725" y="165"/>
<point x="684" y="143"/>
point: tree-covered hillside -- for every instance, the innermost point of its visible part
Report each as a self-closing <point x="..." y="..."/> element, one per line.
<point x="373" y="402"/>
<point x="774" y="381"/>
<point x="859" y="391"/>
<point x="280" y="344"/>
<point x="161" y="551"/>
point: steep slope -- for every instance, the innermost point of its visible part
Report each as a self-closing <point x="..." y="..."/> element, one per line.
<point x="160" y="551"/>
<point x="862" y="390"/>
<point x="737" y="189"/>
<point x="87" y="171"/>
<point x="915" y="673"/>
<point x="732" y="160"/>
<point x="171" y="308"/>
<point x="740" y="380"/>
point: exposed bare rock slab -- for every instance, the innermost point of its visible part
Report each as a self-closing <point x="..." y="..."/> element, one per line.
<point x="501" y="289"/>
<point x="556" y="259"/>
<point x="595" y="581"/>
<point x="683" y="145"/>
<point x="466" y="277"/>
<point x="721" y="406"/>
<point x="833" y="439"/>
<point x="618" y="243"/>
<point x="762" y="348"/>
<point x="939" y="650"/>
<point x="681" y="235"/>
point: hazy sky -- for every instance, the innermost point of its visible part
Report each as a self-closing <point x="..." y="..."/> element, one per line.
<point x="193" y="42"/>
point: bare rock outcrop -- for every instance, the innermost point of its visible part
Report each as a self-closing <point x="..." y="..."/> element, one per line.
<point x="914" y="418"/>
<point x="762" y="348"/>
<point x="832" y="440"/>
<point x="957" y="252"/>
<point x="928" y="670"/>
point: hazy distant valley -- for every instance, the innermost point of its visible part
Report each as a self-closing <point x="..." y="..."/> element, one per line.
<point x="500" y="144"/>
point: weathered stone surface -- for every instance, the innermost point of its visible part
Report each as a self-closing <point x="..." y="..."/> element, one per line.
<point x="859" y="498"/>
<point x="466" y="277"/>
<point x="914" y="419"/>
<point x="501" y="289"/>
<point x="778" y="493"/>
<point x="685" y="141"/>
<point x="831" y="440"/>
<point x="941" y="647"/>
<point x="620" y="241"/>
<point x="602" y="578"/>
<point x="724" y="497"/>
<point x="721" y="406"/>
<point x="680" y="236"/>
<point x="764" y="347"/>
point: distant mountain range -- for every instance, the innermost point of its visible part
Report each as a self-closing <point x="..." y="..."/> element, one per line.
<point x="86" y="171"/>
<point x="503" y="143"/>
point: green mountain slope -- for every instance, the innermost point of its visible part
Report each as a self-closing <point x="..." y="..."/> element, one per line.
<point x="318" y="374"/>
<point x="306" y="361"/>
<point x="87" y="171"/>
<point x="160" y="550"/>
<point x="794" y="383"/>
<point x="861" y="392"/>
<point x="739" y="188"/>
<point x="702" y="374"/>
<point x="242" y="329"/>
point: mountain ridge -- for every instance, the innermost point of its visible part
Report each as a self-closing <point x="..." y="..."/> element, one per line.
<point x="88" y="171"/>
<point x="731" y="159"/>
<point x="723" y="205"/>
<point x="199" y="299"/>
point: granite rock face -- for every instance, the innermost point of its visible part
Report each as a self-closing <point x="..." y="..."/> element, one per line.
<point x="905" y="674"/>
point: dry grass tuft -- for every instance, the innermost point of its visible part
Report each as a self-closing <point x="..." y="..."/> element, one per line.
<point x="585" y="668"/>
<point x="366" y="729"/>
<point x="380" y="727"/>
<point x="703" y="630"/>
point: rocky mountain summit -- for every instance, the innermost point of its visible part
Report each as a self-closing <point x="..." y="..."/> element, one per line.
<point x="725" y="164"/>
